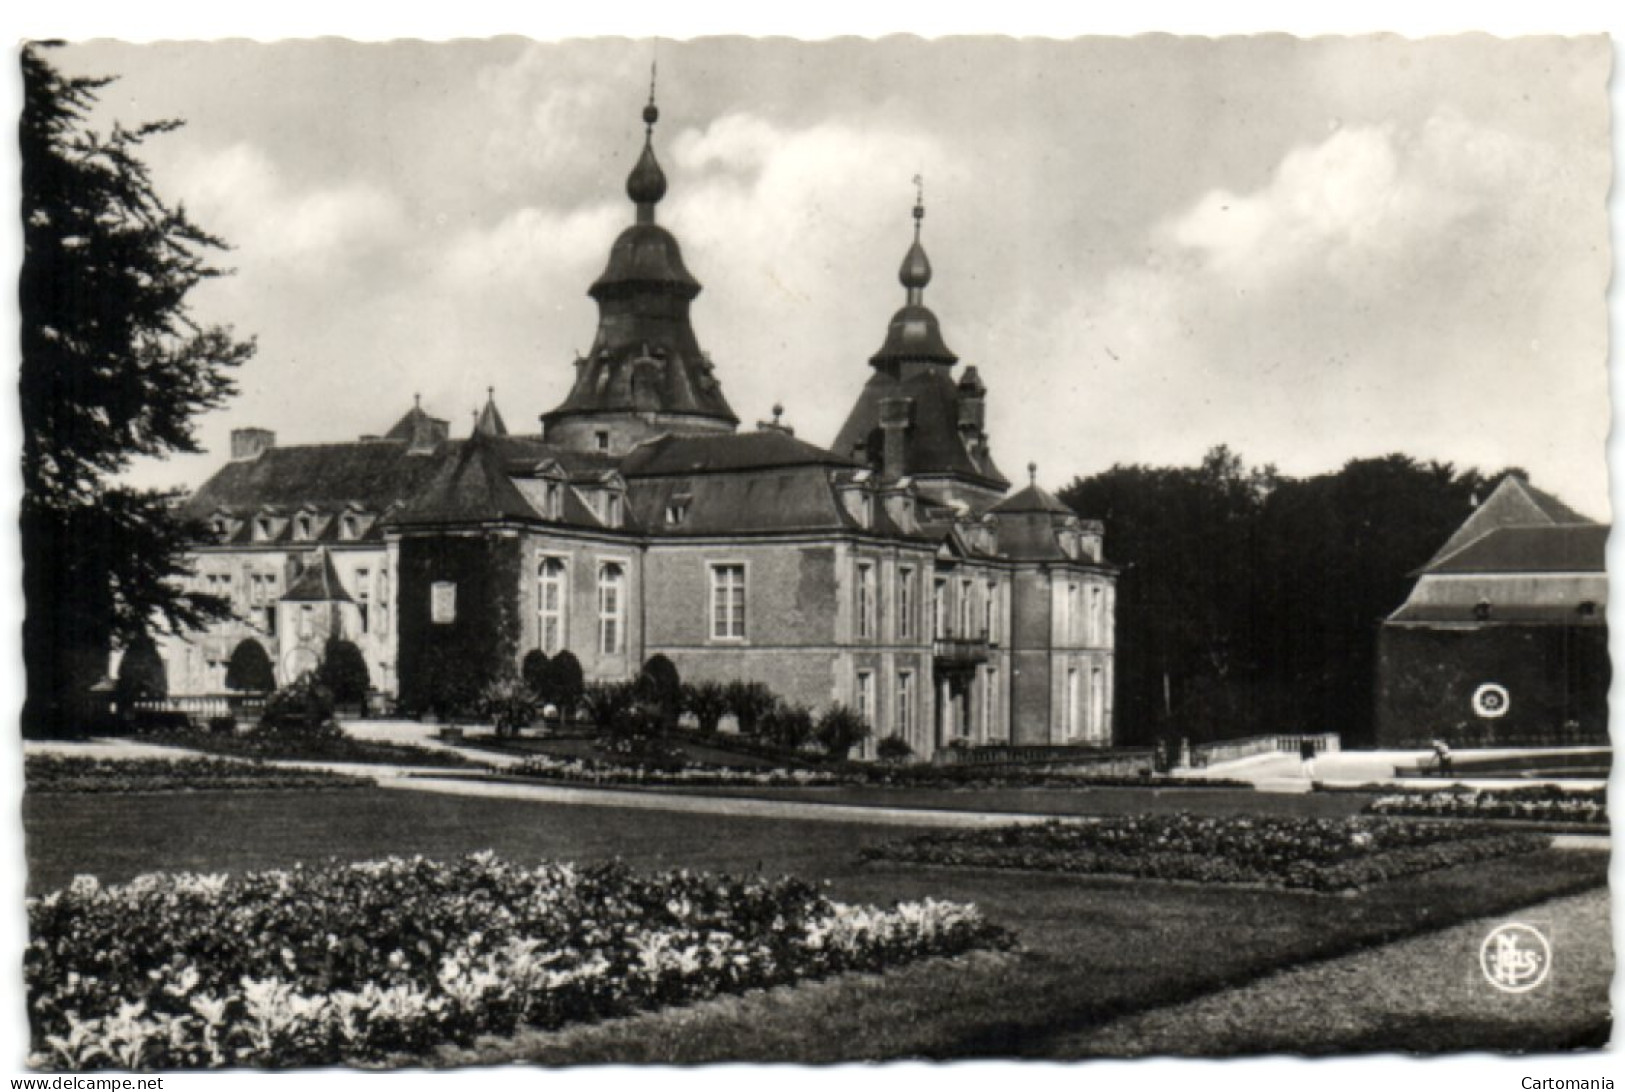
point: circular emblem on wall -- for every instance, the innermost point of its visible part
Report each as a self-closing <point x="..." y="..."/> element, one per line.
<point x="1491" y="700"/>
<point x="1515" y="957"/>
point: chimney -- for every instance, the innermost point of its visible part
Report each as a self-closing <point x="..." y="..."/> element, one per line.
<point x="895" y="416"/>
<point x="249" y="443"/>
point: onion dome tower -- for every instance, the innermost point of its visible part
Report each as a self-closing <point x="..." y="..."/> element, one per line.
<point x="645" y="374"/>
<point x="912" y="418"/>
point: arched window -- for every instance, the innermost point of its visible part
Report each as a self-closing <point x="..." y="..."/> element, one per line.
<point x="611" y="608"/>
<point x="550" y="605"/>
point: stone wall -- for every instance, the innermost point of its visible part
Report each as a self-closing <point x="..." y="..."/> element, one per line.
<point x="1553" y="675"/>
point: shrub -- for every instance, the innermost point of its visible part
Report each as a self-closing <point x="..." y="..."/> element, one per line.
<point x="537" y="672"/>
<point x="344" y="671"/>
<point x="606" y="702"/>
<point x="141" y="674"/>
<point x="788" y="726"/>
<point x="250" y="668"/>
<point x="894" y="749"/>
<point x="509" y="703"/>
<point x="568" y="682"/>
<point x="708" y="701"/>
<point x="660" y="687"/>
<point x="840" y="729"/>
<point x="303" y="707"/>
<point x="750" y="703"/>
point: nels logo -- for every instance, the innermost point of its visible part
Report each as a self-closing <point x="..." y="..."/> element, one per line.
<point x="1515" y="958"/>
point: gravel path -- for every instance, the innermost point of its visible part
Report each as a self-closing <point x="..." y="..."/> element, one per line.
<point x="1425" y="994"/>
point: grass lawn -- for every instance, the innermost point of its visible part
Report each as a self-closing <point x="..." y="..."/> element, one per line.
<point x="1091" y="949"/>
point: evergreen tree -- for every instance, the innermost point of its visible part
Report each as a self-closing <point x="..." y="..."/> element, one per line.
<point x="113" y="367"/>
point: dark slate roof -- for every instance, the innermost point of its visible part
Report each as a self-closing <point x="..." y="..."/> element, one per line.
<point x="490" y="421"/>
<point x="914" y="334"/>
<point x="372" y="475"/>
<point x="318" y="583"/>
<point x="1513" y="503"/>
<point x="933" y="445"/>
<point x="1034" y="498"/>
<point x="779" y="500"/>
<point x="1457" y="614"/>
<point x="470" y="485"/>
<point x="1568" y="548"/>
<point x="724" y="452"/>
<point x="406" y="427"/>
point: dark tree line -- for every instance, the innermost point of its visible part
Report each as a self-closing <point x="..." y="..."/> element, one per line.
<point x="113" y="367"/>
<point x="1249" y="601"/>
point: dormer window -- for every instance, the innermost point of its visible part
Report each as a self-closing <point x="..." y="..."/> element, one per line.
<point x="219" y="527"/>
<point x="677" y="510"/>
<point x="348" y="529"/>
<point x="866" y="509"/>
<point x="262" y="528"/>
<point x="612" y="509"/>
<point x="601" y="438"/>
<point x="302" y="527"/>
<point x="553" y="501"/>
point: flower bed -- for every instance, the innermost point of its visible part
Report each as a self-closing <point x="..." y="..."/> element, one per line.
<point x="589" y="771"/>
<point x="596" y="771"/>
<point x="1536" y="803"/>
<point x="372" y="961"/>
<point x="50" y="773"/>
<point x="289" y="746"/>
<point x="1312" y="854"/>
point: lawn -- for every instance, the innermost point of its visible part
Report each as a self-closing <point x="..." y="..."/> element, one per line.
<point x="1091" y="948"/>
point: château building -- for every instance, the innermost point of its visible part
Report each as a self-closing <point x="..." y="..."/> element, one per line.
<point x="893" y="571"/>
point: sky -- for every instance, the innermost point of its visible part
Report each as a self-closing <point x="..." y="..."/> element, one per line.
<point x="1311" y="250"/>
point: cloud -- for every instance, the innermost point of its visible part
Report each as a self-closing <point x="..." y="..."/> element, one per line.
<point x="318" y="231"/>
<point x="1388" y="288"/>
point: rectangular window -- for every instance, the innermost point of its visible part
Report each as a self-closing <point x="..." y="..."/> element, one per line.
<point x="307" y="621"/>
<point x="905" y="703"/>
<point x="907" y="595"/>
<point x="1097" y="704"/>
<point x="990" y="620"/>
<point x="966" y="611"/>
<point x="728" y="602"/>
<point x="383" y="601"/>
<point x="1071" y="702"/>
<point x="866" y="599"/>
<point x="443" y="602"/>
<point x="363" y="598"/>
<point x="939" y="608"/>
<point x="611" y="609"/>
<point x="865" y="702"/>
<point x="550" y="605"/>
<point x="990" y="704"/>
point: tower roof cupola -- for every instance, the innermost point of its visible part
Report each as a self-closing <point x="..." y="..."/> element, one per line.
<point x="646" y="185"/>
<point x="913" y="334"/>
<point x="645" y="373"/>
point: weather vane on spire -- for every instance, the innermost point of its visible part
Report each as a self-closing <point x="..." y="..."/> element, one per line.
<point x="651" y="113"/>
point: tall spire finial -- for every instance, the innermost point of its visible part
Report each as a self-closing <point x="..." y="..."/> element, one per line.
<point x="647" y="183"/>
<point x="1032" y="473"/>
<point x="417" y="401"/>
<point x="916" y="271"/>
<point x="651" y="113"/>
